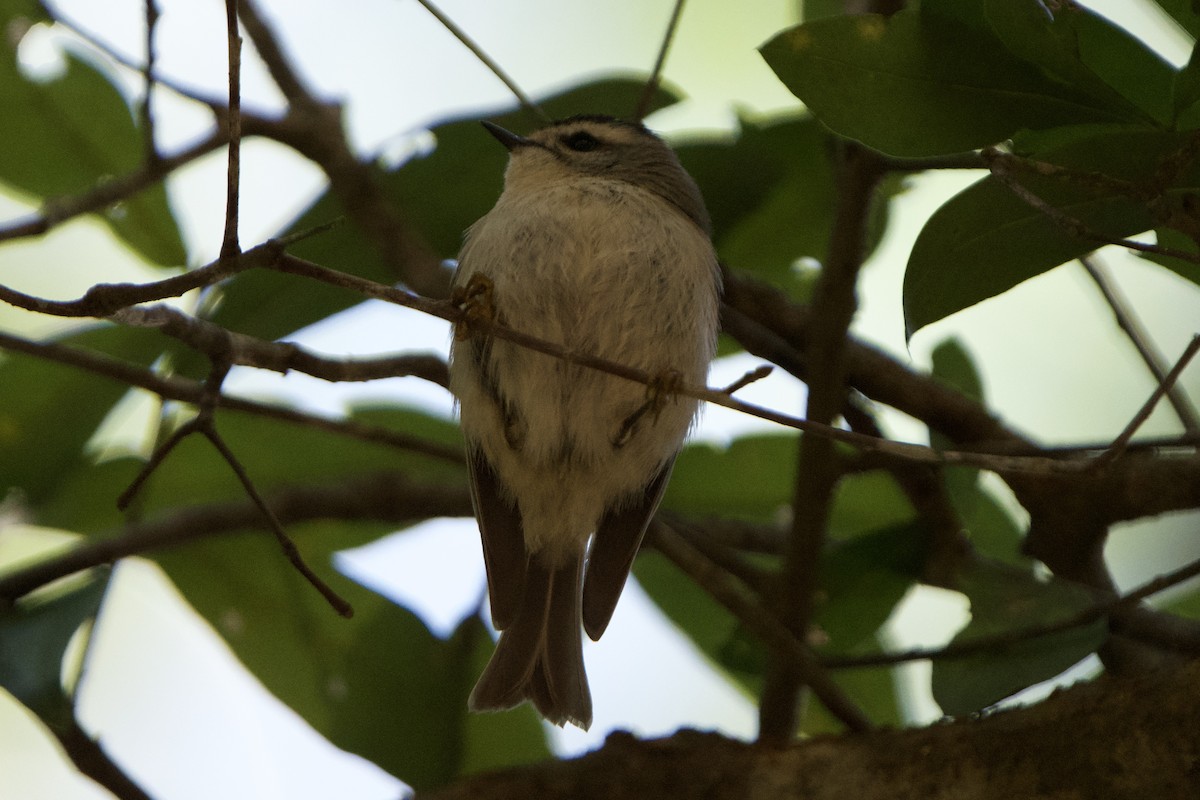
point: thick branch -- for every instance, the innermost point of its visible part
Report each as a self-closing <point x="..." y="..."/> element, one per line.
<point x="1141" y="741"/>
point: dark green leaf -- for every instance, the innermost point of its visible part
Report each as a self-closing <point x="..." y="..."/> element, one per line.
<point x="693" y="610"/>
<point x="379" y="685"/>
<point x="952" y="366"/>
<point x="1186" y="604"/>
<point x="861" y="582"/>
<point x="1077" y="47"/>
<point x="49" y="411"/>
<point x="750" y="479"/>
<point x="816" y="9"/>
<point x="986" y="240"/>
<point x="1186" y="94"/>
<point x="72" y="133"/>
<point x="274" y="454"/>
<point x="873" y="690"/>
<point x="865" y="503"/>
<point x="33" y="640"/>
<point x="764" y="225"/>
<point x="1003" y="600"/>
<point x="914" y="84"/>
<point x="1184" y="12"/>
<point x="491" y="741"/>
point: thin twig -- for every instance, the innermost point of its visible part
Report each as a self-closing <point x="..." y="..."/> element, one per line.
<point x="1000" y="163"/>
<point x="279" y="65"/>
<point x="754" y="375"/>
<point x="387" y="497"/>
<point x="1128" y="322"/>
<point x="61" y="209"/>
<point x="281" y="357"/>
<point x="726" y="591"/>
<point x="105" y="299"/>
<point x="1004" y="639"/>
<point x="203" y="423"/>
<point x="655" y="79"/>
<point x="188" y="391"/>
<point x="905" y="451"/>
<point x="146" y="110"/>
<point x="336" y="601"/>
<point x="229" y="241"/>
<point x="526" y="102"/>
<point x="1121" y="442"/>
<point x="91" y="760"/>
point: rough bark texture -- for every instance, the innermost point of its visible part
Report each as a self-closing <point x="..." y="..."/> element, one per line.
<point x="1113" y="739"/>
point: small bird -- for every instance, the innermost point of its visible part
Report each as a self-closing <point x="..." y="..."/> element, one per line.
<point x="600" y="243"/>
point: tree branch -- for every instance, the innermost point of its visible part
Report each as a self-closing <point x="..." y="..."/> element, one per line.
<point x="390" y="497"/>
<point x="819" y="466"/>
<point x="1141" y="741"/>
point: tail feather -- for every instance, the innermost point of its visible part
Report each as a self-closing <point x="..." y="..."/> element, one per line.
<point x="540" y="654"/>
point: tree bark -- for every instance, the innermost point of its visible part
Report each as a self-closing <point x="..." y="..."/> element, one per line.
<point x="1113" y="738"/>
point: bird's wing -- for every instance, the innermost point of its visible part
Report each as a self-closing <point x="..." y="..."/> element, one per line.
<point x="617" y="539"/>
<point x="503" y="541"/>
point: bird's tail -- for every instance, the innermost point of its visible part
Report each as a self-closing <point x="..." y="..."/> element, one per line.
<point x="540" y="655"/>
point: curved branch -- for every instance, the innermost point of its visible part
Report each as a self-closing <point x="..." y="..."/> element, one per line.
<point x="386" y="497"/>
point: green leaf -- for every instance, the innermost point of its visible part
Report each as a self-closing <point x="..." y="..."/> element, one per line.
<point x="73" y="133"/>
<point x="440" y="193"/>
<point x="491" y="741"/>
<point x="1077" y="47"/>
<point x="873" y="690"/>
<point x="33" y="640"/>
<point x="274" y="454"/>
<point x="1186" y="94"/>
<point x="917" y="84"/>
<point x="986" y="240"/>
<point x="49" y="411"/>
<point x="952" y="366"/>
<point x="863" y="579"/>
<point x="867" y="502"/>
<point x="764" y="225"/>
<point x="1186" y="603"/>
<point x="380" y="685"/>
<point x="750" y="479"/>
<point x="1185" y="13"/>
<point x="1004" y="600"/>
<point x="693" y="610"/>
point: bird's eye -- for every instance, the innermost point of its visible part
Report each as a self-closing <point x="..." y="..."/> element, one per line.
<point x="581" y="142"/>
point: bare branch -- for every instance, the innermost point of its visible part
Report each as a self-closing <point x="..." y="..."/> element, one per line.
<point x="652" y="83"/>
<point x="1003" y="639"/>
<point x="526" y="102"/>
<point x="726" y="591"/>
<point x="229" y="241"/>
<point x="390" y="497"/>
<point x="59" y="210"/>
<point x="1002" y="166"/>
<point x="90" y="759"/>
<point x="819" y="465"/>
<point x="146" y="108"/>
<point x="1119" y="444"/>
<point x="1140" y="337"/>
<point x="188" y="391"/>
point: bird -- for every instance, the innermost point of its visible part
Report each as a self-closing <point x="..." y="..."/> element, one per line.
<point x="600" y="244"/>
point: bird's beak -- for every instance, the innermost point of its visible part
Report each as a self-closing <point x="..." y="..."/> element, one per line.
<point x="506" y="137"/>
